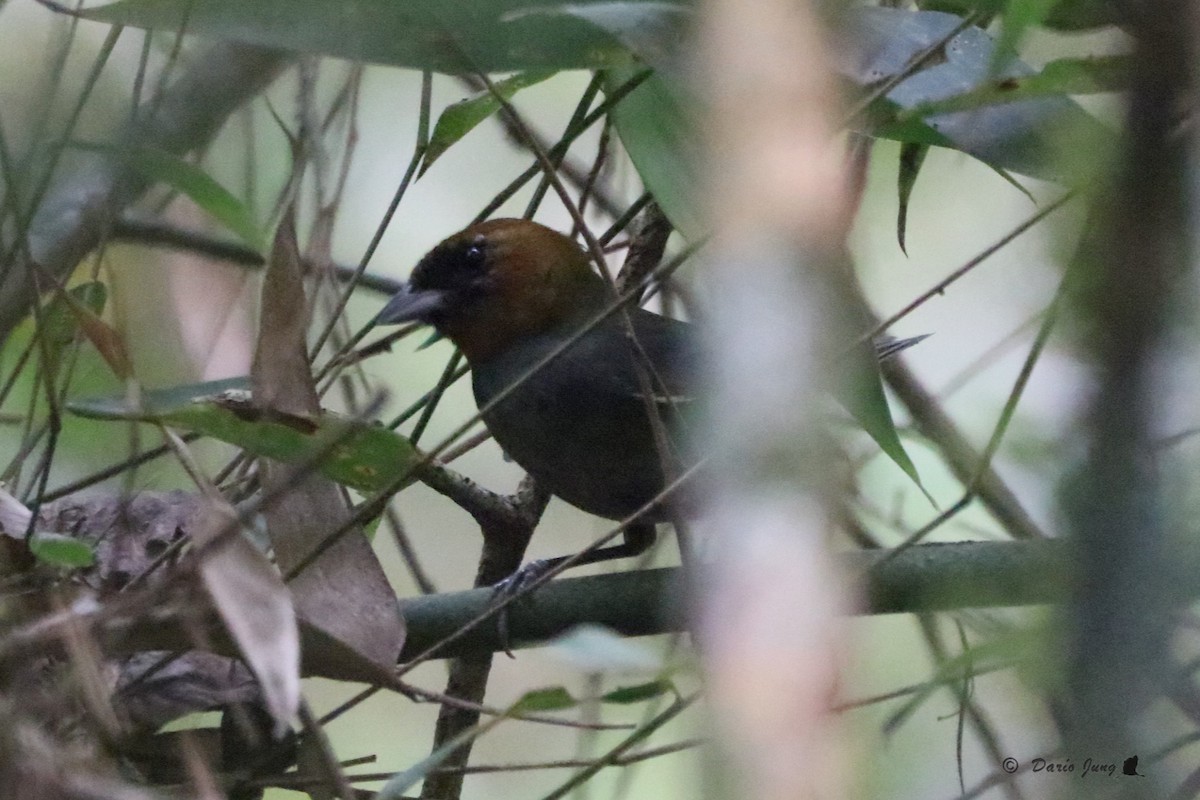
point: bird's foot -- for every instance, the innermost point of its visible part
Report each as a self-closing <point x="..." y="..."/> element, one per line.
<point x="512" y="586"/>
<point x="521" y="579"/>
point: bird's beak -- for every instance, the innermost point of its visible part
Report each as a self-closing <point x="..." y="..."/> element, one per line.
<point x="411" y="305"/>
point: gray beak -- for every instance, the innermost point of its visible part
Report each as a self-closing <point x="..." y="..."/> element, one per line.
<point x="409" y="305"/>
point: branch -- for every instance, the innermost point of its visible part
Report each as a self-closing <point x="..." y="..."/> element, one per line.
<point x="646" y="249"/>
<point x="506" y="535"/>
<point x="931" y="577"/>
<point x="157" y="233"/>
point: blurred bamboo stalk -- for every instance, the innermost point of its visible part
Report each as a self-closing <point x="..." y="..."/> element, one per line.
<point x="773" y="608"/>
<point x="1136" y="257"/>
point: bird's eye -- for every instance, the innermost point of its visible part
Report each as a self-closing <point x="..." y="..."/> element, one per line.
<point x="474" y="253"/>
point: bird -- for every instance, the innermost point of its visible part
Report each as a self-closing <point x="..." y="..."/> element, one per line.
<point x="509" y="293"/>
<point x="562" y="386"/>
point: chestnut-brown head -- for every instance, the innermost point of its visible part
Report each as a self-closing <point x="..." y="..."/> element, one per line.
<point x="496" y="282"/>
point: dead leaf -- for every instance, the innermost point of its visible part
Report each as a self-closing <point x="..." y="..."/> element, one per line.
<point x="343" y="593"/>
<point x="280" y="377"/>
<point x="256" y="608"/>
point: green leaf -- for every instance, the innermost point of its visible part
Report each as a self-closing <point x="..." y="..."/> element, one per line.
<point x="1080" y="15"/>
<point x="60" y="550"/>
<point x="433" y="338"/>
<point x="1018" y="18"/>
<point x="656" y="131"/>
<point x="441" y="35"/>
<point x="889" y="121"/>
<point x="555" y="698"/>
<point x="911" y="157"/>
<point x="1017" y="137"/>
<point x="1066" y="76"/>
<point x="911" y="131"/>
<point x="60" y="324"/>
<point x="639" y="693"/>
<point x="651" y="30"/>
<point x="963" y="8"/>
<point x="163" y="167"/>
<point x="460" y="118"/>
<point x="367" y="457"/>
<point x="861" y="393"/>
<point x="1067" y="15"/>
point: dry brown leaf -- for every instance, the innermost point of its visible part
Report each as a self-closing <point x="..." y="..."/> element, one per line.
<point x="256" y="608"/>
<point x="343" y="593"/>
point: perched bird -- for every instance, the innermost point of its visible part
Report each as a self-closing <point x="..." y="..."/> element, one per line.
<point x="508" y="293"/>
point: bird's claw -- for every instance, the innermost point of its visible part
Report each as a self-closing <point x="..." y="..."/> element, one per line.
<point x="520" y="580"/>
<point x="512" y="586"/>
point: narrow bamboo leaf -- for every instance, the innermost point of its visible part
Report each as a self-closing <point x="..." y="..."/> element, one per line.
<point x="459" y="119"/>
<point x="1081" y="15"/>
<point x="555" y="698"/>
<point x="911" y="157"/>
<point x="434" y="338"/>
<point x="651" y="30"/>
<point x="368" y="457"/>
<point x="889" y="121"/>
<point x="1066" y="76"/>
<point x="1019" y="17"/>
<point x="440" y="35"/>
<point x="1015" y="137"/>
<point x="1067" y="15"/>
<point x="59" y="326"/>
<point x="103" y="336"/>
<point x="398" y="785"/>
<point x="1012" y="649"/>
<point x="655" y="129"/>
<point x="861" y="393"/>
<point x="199" y="186"/>
<point x="61" y="550"/>
<point x="639" y="693"/>
<point x="156" y="401"/>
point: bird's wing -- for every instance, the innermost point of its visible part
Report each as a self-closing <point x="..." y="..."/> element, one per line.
<point x="671" y="350"/>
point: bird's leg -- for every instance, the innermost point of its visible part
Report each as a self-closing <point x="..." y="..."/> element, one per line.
<point x="637" y="539"/>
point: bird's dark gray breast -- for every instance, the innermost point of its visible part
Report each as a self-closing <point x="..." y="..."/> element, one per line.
<point x="580" y="426"/>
